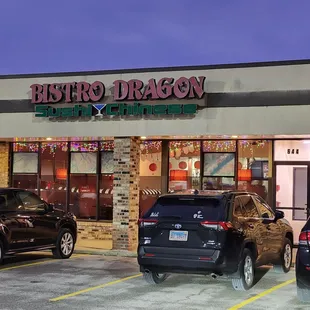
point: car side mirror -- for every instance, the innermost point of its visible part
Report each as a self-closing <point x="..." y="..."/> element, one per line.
<point x="279" y="215"/>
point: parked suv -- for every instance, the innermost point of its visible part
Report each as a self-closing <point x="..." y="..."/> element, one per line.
<point x="28" y="223"/>
<point x="212" y="232"/>
<point x="302" y="267"/>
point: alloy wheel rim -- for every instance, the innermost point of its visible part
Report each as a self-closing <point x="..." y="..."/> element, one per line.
<point x="66" y="244"/>
<point x="248" y="270"/>
<point x="287" y="256"/>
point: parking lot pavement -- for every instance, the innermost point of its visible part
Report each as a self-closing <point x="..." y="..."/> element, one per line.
<point x="36" y="281"/>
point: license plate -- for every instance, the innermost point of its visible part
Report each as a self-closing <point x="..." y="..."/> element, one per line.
<point x="176" y="235"/>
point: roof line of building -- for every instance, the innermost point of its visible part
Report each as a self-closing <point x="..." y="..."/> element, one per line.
<point x="162" y="69"/>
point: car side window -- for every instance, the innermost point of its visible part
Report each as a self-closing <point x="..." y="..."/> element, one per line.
<point x="238" y="208"/>
<point x="264" y="211"/>
<point x="249" y="206"/>
<point x="8" y="202"/>
<point x="30" y="201"/>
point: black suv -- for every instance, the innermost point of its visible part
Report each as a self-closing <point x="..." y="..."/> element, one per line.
<point x="28" y="223"/>
<point x="302" y="267"/>
<point x="213" y="232"/>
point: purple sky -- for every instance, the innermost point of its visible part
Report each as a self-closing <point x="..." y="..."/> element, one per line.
<point x="76" y="35"/>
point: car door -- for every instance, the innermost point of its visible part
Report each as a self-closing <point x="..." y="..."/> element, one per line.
<point x="273" y="229"/>
<point x="14" y="227"/>
<point x="256" y="228"/>
<point x="41" y="226"/>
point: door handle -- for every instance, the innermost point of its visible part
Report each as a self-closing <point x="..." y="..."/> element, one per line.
<point x="251" y="226"/>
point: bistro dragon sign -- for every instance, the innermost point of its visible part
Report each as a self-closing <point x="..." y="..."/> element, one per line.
<point x="76" y="94"/>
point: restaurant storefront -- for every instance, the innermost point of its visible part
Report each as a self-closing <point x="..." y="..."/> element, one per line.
<point x="105" y="147"/>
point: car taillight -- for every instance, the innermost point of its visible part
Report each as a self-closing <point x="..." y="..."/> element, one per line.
<point x="147" y="223"/>
<point x="304" y="238"/>
<point x="217" y="225"/>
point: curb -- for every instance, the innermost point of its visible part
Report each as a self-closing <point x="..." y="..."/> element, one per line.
<point x="107" y="253"/>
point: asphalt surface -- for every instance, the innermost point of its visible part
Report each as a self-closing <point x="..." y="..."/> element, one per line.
<point x="36" y="281"/>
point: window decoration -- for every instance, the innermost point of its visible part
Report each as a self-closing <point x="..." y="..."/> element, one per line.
<point x="84" y="146"/>
<point x="85" y="163"/>
<point x="25" y="163"/>
<point x="23" y="147"/>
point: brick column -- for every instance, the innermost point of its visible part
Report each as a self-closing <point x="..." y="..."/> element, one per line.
<point x="126" y="193"/>
<point x="4" y="164"/>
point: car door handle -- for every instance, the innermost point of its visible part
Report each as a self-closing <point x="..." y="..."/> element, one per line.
<point x="251" y="226"/>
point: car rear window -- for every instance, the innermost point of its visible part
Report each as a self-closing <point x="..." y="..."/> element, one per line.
<point x="189" y="208"/>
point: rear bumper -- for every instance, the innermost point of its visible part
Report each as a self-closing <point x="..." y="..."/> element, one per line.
<point x="302" y="268"/>
<point x="195" y="261"/>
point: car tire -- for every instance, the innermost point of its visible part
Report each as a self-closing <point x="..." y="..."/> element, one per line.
<point x="64" y="244"/>
<point x="154" y="278"/>
<point x="303" y="293"/>
<point x="243" y="279"/>
<point x="285" y="263"/>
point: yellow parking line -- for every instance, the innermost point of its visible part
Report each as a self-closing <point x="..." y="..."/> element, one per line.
<point x="262" y="294"/>
<point x="95" y="288"/>
<point x="38" y="263"/>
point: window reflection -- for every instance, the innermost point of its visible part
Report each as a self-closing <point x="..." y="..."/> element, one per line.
<point x="184" y="165"/>
<point x="254" y="166"/>
<point x="54" y="165"/>
<point x="150" y="174"/>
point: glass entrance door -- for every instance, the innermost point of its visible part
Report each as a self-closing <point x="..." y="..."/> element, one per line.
<point x="292" y="194"/>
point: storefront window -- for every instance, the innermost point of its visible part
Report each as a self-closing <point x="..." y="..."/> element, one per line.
<point x="219" y="165"/>
<point x="54" y="166"/>
<point x="150" y="173"/>
<point x="83" y="179"/>
<point x="254" y="166"/>
<point x="25" y="166"/>
<point x="184" y="165"/>
<point x="106" y="184"/>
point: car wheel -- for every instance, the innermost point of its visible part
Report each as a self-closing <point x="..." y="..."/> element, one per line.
<point x="243" y="279"/>
<point x="285" y="263"/>
<point x="154" y="278"/>
<point x="303" y="293"/>
<point x="64" y="244"/>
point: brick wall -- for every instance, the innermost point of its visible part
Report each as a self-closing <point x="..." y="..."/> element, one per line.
<point x="95" y="234"/>
<point x="126" y="193"/>
<point x="4" y="164"/>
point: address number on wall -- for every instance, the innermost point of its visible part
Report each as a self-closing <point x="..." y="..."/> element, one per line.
<point x="292" y="151"/>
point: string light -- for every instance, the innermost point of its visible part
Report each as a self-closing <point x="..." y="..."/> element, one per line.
<point x="19" y="147"/>
<point x="148" y="147"/>
<point x="219" y="146"/>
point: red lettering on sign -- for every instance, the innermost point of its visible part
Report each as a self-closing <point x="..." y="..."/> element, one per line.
<point x="132" y="90"/>
<point x="36" y="93"/>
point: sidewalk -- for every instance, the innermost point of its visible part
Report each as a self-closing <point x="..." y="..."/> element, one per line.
<point x="94" y="251"/>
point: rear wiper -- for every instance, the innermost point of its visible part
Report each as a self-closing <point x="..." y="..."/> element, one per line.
<point x="171" y="217"/>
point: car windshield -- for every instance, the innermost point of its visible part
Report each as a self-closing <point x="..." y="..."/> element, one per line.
<point x="189" y="208"/>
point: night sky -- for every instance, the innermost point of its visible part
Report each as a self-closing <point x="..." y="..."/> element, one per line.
<point x="75" y="35"/>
